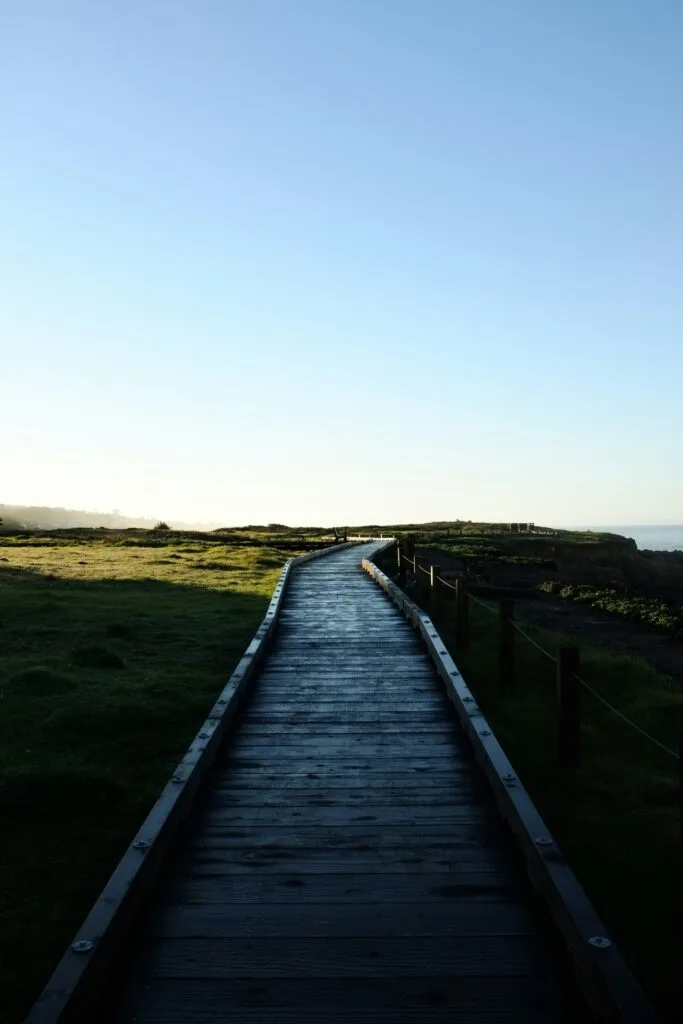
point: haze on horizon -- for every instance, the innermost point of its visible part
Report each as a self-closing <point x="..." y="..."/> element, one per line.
<point x="343" y="262"/>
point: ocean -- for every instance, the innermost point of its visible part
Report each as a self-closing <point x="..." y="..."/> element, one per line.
<point x="654" y="538"/>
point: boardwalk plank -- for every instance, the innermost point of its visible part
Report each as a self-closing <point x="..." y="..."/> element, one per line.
<point x="358" y="805"/>
<point x="220" y="859"/>
<point x="339" y="920"/>
<point x="398" y="1000"/>
<point x="337" y="778"/>
<point x="344" y="820"/>
<point x="454" y="834"/>
<point x="468" y="887"/>
<point x="486" y="956"/>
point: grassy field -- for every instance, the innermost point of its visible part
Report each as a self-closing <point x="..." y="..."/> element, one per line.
<point x="112" y="648"/>
<point x="616" y="818"/>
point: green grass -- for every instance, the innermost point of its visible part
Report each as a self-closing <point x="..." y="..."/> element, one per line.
<point x="133" y="537"/>
<point x="616" y="818"/>
<point x="110" y="656"/>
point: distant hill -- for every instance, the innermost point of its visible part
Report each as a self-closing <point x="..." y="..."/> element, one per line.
<point x="37" y="517"/>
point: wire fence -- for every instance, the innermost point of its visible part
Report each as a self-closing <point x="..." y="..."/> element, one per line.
<point x="492" y="611"/>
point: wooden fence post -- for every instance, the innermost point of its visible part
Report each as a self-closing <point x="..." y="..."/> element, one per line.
<point x="568" y="708"/>
<point x="680" y="796"/>
<point x="506" y="646"/>
<point x="410" y="554"/>
<point x="401" y="565"/>
<point x="434" y="573"/>
<point x="462" y="614"/>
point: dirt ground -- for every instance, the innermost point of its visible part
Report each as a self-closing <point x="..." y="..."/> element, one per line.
<point x="592" y="627"/>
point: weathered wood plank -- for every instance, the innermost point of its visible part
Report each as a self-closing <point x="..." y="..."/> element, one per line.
<point x="369" y="798"/>
<point x="351" y="690"/>
<point x="215" y="857"/>
<point x="345" y="745"/>
<point x="340" y="920"/>
<point x="332" y="701"/>
<point x="381" y="758"/>
<point x="333" y="747"/>
<point x="397" y="1000"/>
<point x="344" y="775"/>
<point x="316" y="820"/>
<point x="401" y="836"/>
<point x="365" y="732"/>
<point x="316" y="717"/>
<point x="489" y="956"/>
<point x="377" y="767"/>
<point x="396" y="889"/>
<point x="319" y="661"/>
<point x="417" y="840"/>
<point x="215" y="864"/>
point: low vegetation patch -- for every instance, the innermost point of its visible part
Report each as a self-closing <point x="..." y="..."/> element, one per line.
<point x="649" y="611"/>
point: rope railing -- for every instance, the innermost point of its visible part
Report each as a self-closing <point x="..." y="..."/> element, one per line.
<point x="482" y="604"/>
<point x="625" y="718"/>
<point x="534" y="643"/>
<point x="620" y="714"/>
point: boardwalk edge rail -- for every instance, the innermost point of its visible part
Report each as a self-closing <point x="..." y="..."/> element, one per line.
<point x="611" y="990"/>
<point x="83" y="970"/>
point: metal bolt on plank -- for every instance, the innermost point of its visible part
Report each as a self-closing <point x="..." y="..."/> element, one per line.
<point x="82" y="946"/>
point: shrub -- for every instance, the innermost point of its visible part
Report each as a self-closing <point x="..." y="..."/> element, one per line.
<point x="649" y="611"/>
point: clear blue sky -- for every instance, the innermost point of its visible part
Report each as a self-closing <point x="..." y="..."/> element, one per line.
<point x="343" y="260"/>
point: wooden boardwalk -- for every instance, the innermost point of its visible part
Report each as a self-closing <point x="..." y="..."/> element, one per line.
<point x="346" y="862"/>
